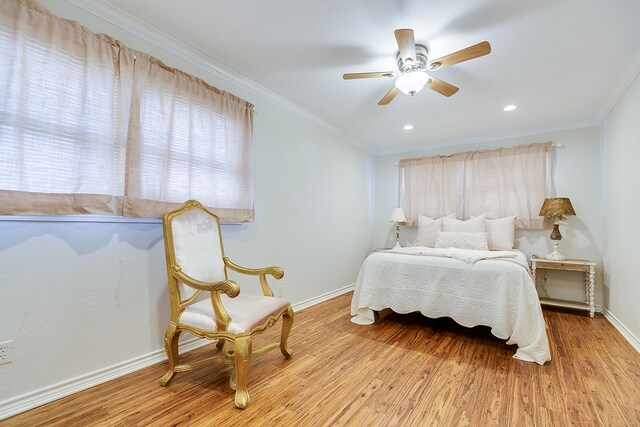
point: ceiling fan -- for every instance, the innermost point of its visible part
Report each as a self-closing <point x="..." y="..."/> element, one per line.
<point x="413" y="67"/>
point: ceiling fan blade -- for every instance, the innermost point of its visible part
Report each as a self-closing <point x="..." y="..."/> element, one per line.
<point x="471" y="52"/>
<point x="389" y="96"/>
<point x="441" y="87"/>
<point x="406" y="44"/>
<point x="351" y="76"/>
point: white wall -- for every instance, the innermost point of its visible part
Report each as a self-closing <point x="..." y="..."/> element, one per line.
<point x="81" y="297"/>
<point x="577" y="176"/>
<point x="77" y="298"/>
<point x="621" y="135"/>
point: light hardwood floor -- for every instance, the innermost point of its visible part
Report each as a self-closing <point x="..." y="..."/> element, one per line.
<point x="404" y="370"/>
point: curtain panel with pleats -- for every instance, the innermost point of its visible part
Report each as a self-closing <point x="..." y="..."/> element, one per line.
<point x="194" y="136"/>
<point x="88" y="125"/>
<point x="499" y="183"/>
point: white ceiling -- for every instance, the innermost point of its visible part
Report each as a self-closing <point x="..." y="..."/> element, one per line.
<point x="562" y="62"/>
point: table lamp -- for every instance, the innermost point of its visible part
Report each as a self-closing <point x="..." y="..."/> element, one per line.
<point x="397" y="217"/>
<point x="556" y="210"/>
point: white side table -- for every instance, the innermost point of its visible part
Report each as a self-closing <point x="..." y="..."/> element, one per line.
<point x="586" y="266"/>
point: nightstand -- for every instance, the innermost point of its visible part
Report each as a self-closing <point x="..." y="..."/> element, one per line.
<point x="580" y="265"/>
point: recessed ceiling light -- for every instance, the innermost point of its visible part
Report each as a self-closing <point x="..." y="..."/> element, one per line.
<point x="408" y="127"/>
<point x="509" y="108"/>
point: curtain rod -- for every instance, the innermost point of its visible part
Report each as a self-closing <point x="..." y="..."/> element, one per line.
<point x="554" y="144"/>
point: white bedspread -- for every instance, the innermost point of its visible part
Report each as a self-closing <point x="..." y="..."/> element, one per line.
<point x="488" y="288"/>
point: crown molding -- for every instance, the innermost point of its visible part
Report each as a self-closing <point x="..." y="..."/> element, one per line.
<point x="633" y="71"/>
<point x="492" y="137"/>
<point x="170" y="44"/>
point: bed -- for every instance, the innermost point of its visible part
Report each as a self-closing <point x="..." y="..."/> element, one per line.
<point x="491" y="288"/>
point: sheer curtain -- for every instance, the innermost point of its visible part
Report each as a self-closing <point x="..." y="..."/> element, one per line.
<point x="88" y="125"/>
<point x="64" y="112"/>
<point x="509" y="181"/>
<point x="431" y="186"/>
<point x="187" y="140"/>
<point x="502" y="182"/>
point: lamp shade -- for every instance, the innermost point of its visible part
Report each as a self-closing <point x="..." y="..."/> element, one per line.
<point x="397" y="215"/>
<point x="412" y="82"/>
<point x="556" y="208"/>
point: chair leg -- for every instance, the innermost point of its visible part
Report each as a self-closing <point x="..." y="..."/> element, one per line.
<point x="243" y="359"/>
<point x="171" y="347"/>
<point x="232" y="380"/>
<point x="287" y="322"/>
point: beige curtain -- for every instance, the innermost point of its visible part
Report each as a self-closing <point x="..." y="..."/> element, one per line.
<point x="431" y="186"/>
<point x="64" y="111"/>
<point x="502" y="182"/>
<point x="509" y="181"/>
<point x="90" y="126"/>
<point x="187" y="140"/>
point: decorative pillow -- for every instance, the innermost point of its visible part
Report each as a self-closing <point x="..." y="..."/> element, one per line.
<point x="428" y="229"/>
<point x="501" y="233"/>
<point x="462" y="240"/>
<point x="473" y="225"/>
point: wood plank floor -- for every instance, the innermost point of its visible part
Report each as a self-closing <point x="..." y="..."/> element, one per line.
<point x="404" y="370"/>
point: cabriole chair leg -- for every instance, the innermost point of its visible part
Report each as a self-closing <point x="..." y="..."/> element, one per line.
<point x="242" y="359"/>
<point x="287" y="322"/>
<point x="171" y="337"/>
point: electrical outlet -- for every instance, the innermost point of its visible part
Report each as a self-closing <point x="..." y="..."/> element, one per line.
<point x="280" y="291"/>
<point x="6" y="355"/>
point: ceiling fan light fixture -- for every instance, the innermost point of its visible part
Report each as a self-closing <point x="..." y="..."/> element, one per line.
<point x="414" y="68"/>
<point x="412" y="82"/>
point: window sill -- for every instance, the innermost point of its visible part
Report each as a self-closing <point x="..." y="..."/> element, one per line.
<point x="79" y="218"/>
<point x="108" y="219"/>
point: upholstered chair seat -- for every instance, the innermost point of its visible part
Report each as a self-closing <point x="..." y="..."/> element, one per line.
<point x="246" y="312"/>
<point x="205" y="303"/>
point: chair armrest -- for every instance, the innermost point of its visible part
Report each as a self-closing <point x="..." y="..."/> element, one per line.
<point x="228" y="287"/>
<point x="276" y="272"/>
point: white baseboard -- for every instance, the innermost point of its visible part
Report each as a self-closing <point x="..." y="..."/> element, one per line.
<point x="24" y="402"/>
<point x="48" y="394"/>
<point x="18" y="404"/>
<point x="321" y="298"/>
<point x="633" y="340"/>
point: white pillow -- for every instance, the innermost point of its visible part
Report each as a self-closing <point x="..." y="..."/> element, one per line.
<point x="428" y="229"/>
<point x="473" y="225"/>
<point x="501" y="233"/>
<point x="462" y="240"/>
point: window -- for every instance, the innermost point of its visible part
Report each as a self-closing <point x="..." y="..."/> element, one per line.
<point x="195" y="138"/>
<point x="63" y="116"/>
<point x="502" y="182"/>
<point x="90" y="126"/>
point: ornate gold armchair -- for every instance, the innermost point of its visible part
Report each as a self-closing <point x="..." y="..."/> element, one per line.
<point x="196" y="266"/>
